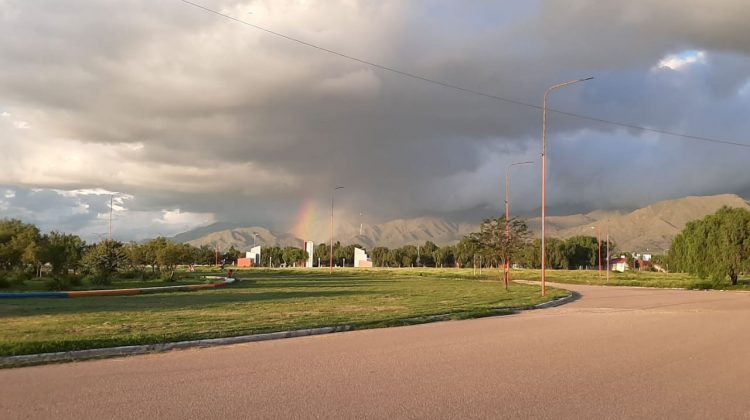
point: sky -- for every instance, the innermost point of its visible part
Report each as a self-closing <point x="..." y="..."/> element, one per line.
<point x="185" y="118"/>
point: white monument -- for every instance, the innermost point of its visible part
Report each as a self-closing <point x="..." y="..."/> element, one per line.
<point x="361" y="259"/>
<point x="310" y="248"/>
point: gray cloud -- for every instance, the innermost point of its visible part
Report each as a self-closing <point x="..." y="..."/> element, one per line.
<point x="183" y="110"/>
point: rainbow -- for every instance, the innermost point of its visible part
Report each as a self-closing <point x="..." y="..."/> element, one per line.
<point x="306" y="217"/>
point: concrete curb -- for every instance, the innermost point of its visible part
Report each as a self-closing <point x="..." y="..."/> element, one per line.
<point x="509" y="311"/>
<point x="77" y="355"/>
<point x="558" y="302"/>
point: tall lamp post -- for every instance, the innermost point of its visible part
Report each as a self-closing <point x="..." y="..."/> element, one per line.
<point x="544" y="173"/>
<point x="506" y="276"/>
<point x="330" y="262"/>
<point x="599" y="245"/>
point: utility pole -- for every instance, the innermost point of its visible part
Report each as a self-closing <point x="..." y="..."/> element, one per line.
<point x="544" y="174"/>
<point x="111" y="206"/>
<point x="330" y="263"/>
<point x="506" y="277"/>
<point x="608" y="256"/>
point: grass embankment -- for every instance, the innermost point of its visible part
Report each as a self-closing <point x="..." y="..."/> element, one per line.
<point x="630" y="278"/>
<point x="265" y="301"/>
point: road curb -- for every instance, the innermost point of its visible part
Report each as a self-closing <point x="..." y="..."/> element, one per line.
<point x="557" y="302"/>
<point x="78" y="355"/>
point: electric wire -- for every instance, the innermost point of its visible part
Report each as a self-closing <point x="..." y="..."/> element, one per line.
<point x="464" y="89"/>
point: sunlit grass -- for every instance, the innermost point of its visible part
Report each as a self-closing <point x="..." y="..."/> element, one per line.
<point x="629" y="278"/>
<point x="264" y="301"/>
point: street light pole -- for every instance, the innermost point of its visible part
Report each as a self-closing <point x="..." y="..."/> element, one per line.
<point x="506" y="276"/>
<point x="544" y="173"/>
<point x="599" y="245"/>
<point x="330" y="263"/>
<point x="608" y="257"/>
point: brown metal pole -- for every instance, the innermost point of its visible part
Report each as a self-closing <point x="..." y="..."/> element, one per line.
<point x="506" y="278"/>
<point x="599" y="242"/>
<point x="544" y="175"/>
<point x="330" y="262"/>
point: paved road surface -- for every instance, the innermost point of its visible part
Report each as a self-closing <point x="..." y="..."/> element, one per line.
<point x="614" y="353"/>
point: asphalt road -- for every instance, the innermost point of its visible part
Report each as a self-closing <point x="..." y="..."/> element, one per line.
<point x="614" y="353"/>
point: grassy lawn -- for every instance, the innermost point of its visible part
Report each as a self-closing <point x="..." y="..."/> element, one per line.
<point x="264" y="301"/>
<point x="629" y="278"/>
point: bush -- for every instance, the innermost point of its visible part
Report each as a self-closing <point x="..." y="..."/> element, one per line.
<point x="168" y="276"/>
<point x="57" y="283"/>
<point x="99" y="279"/>
<point x="17" y="277"/>
<point x="4" y="283"/>
<point x="62" y="282"/>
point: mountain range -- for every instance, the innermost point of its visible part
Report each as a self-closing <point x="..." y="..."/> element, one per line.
<point x="650" y="228"/>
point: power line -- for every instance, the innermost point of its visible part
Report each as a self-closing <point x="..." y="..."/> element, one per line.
<point x="464" y="89"/>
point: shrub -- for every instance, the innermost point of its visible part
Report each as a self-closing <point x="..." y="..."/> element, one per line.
<point x="99" y="279"/>
<point x="57" y="283"/>
<point x="17" y="277"/>
<point x="4" y="283"/>
<point x="168" y="276"/>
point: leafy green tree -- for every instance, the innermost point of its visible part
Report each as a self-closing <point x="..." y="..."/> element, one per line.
<point x="103" y="260"/>
<point x="408" y="256"/>
<point x="293" y="255"/>
<point x="395" y="257"/>
<point x="380" y="256"/>
<point x="465" y="251"/>
<point x="272" y="254"/>
<point x="344" y="254"/>
<point x="582" y="251"/>
<point x="151" y="251"/>
<point x="15" y="238"/>
<point x="445" y="256"/>
<point x="716" y="247"/>
<point x="427" y="254"/>
<point x="321" y="254"/>
<point x="62" y="251"/>
<point x="174" y="254"/>
<point x="493" y="244"/>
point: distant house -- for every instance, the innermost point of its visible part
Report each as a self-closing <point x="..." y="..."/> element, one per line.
<point x="619" y="264"/>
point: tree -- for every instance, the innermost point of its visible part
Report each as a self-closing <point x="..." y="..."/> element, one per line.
<point x="321" y="253"/>
<point x="151" y="250"/>
<point x="272" y="255"/>
<point x="103" y="260"/>
<point x="15" y="238"/>
<point x="173" y="254"/>
<point x="292" y="255"/>
<point x="444" y="256"/>
<point x="716" y="247"/>
<point x="62" y="251"/>
<point x="493" y="244"/>
<point x="380" y="256"/>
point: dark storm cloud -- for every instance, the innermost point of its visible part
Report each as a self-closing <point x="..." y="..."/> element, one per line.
<point x="185" y="110"/>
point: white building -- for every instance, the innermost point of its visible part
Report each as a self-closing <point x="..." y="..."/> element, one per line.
<point x="361" y="259"/>
<point x="254" y="254"/>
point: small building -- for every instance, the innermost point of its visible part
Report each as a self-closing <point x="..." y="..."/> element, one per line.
<point x="252" y="258"/>
<point x="619" y="264"/>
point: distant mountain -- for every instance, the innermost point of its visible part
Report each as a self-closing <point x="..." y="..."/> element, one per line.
<point x="651" y="227"/>
<point x="202" y="231"/>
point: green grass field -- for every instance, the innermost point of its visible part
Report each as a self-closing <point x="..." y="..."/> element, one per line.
<point x="264" y="301"/>
<point x="630" y="278"/>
